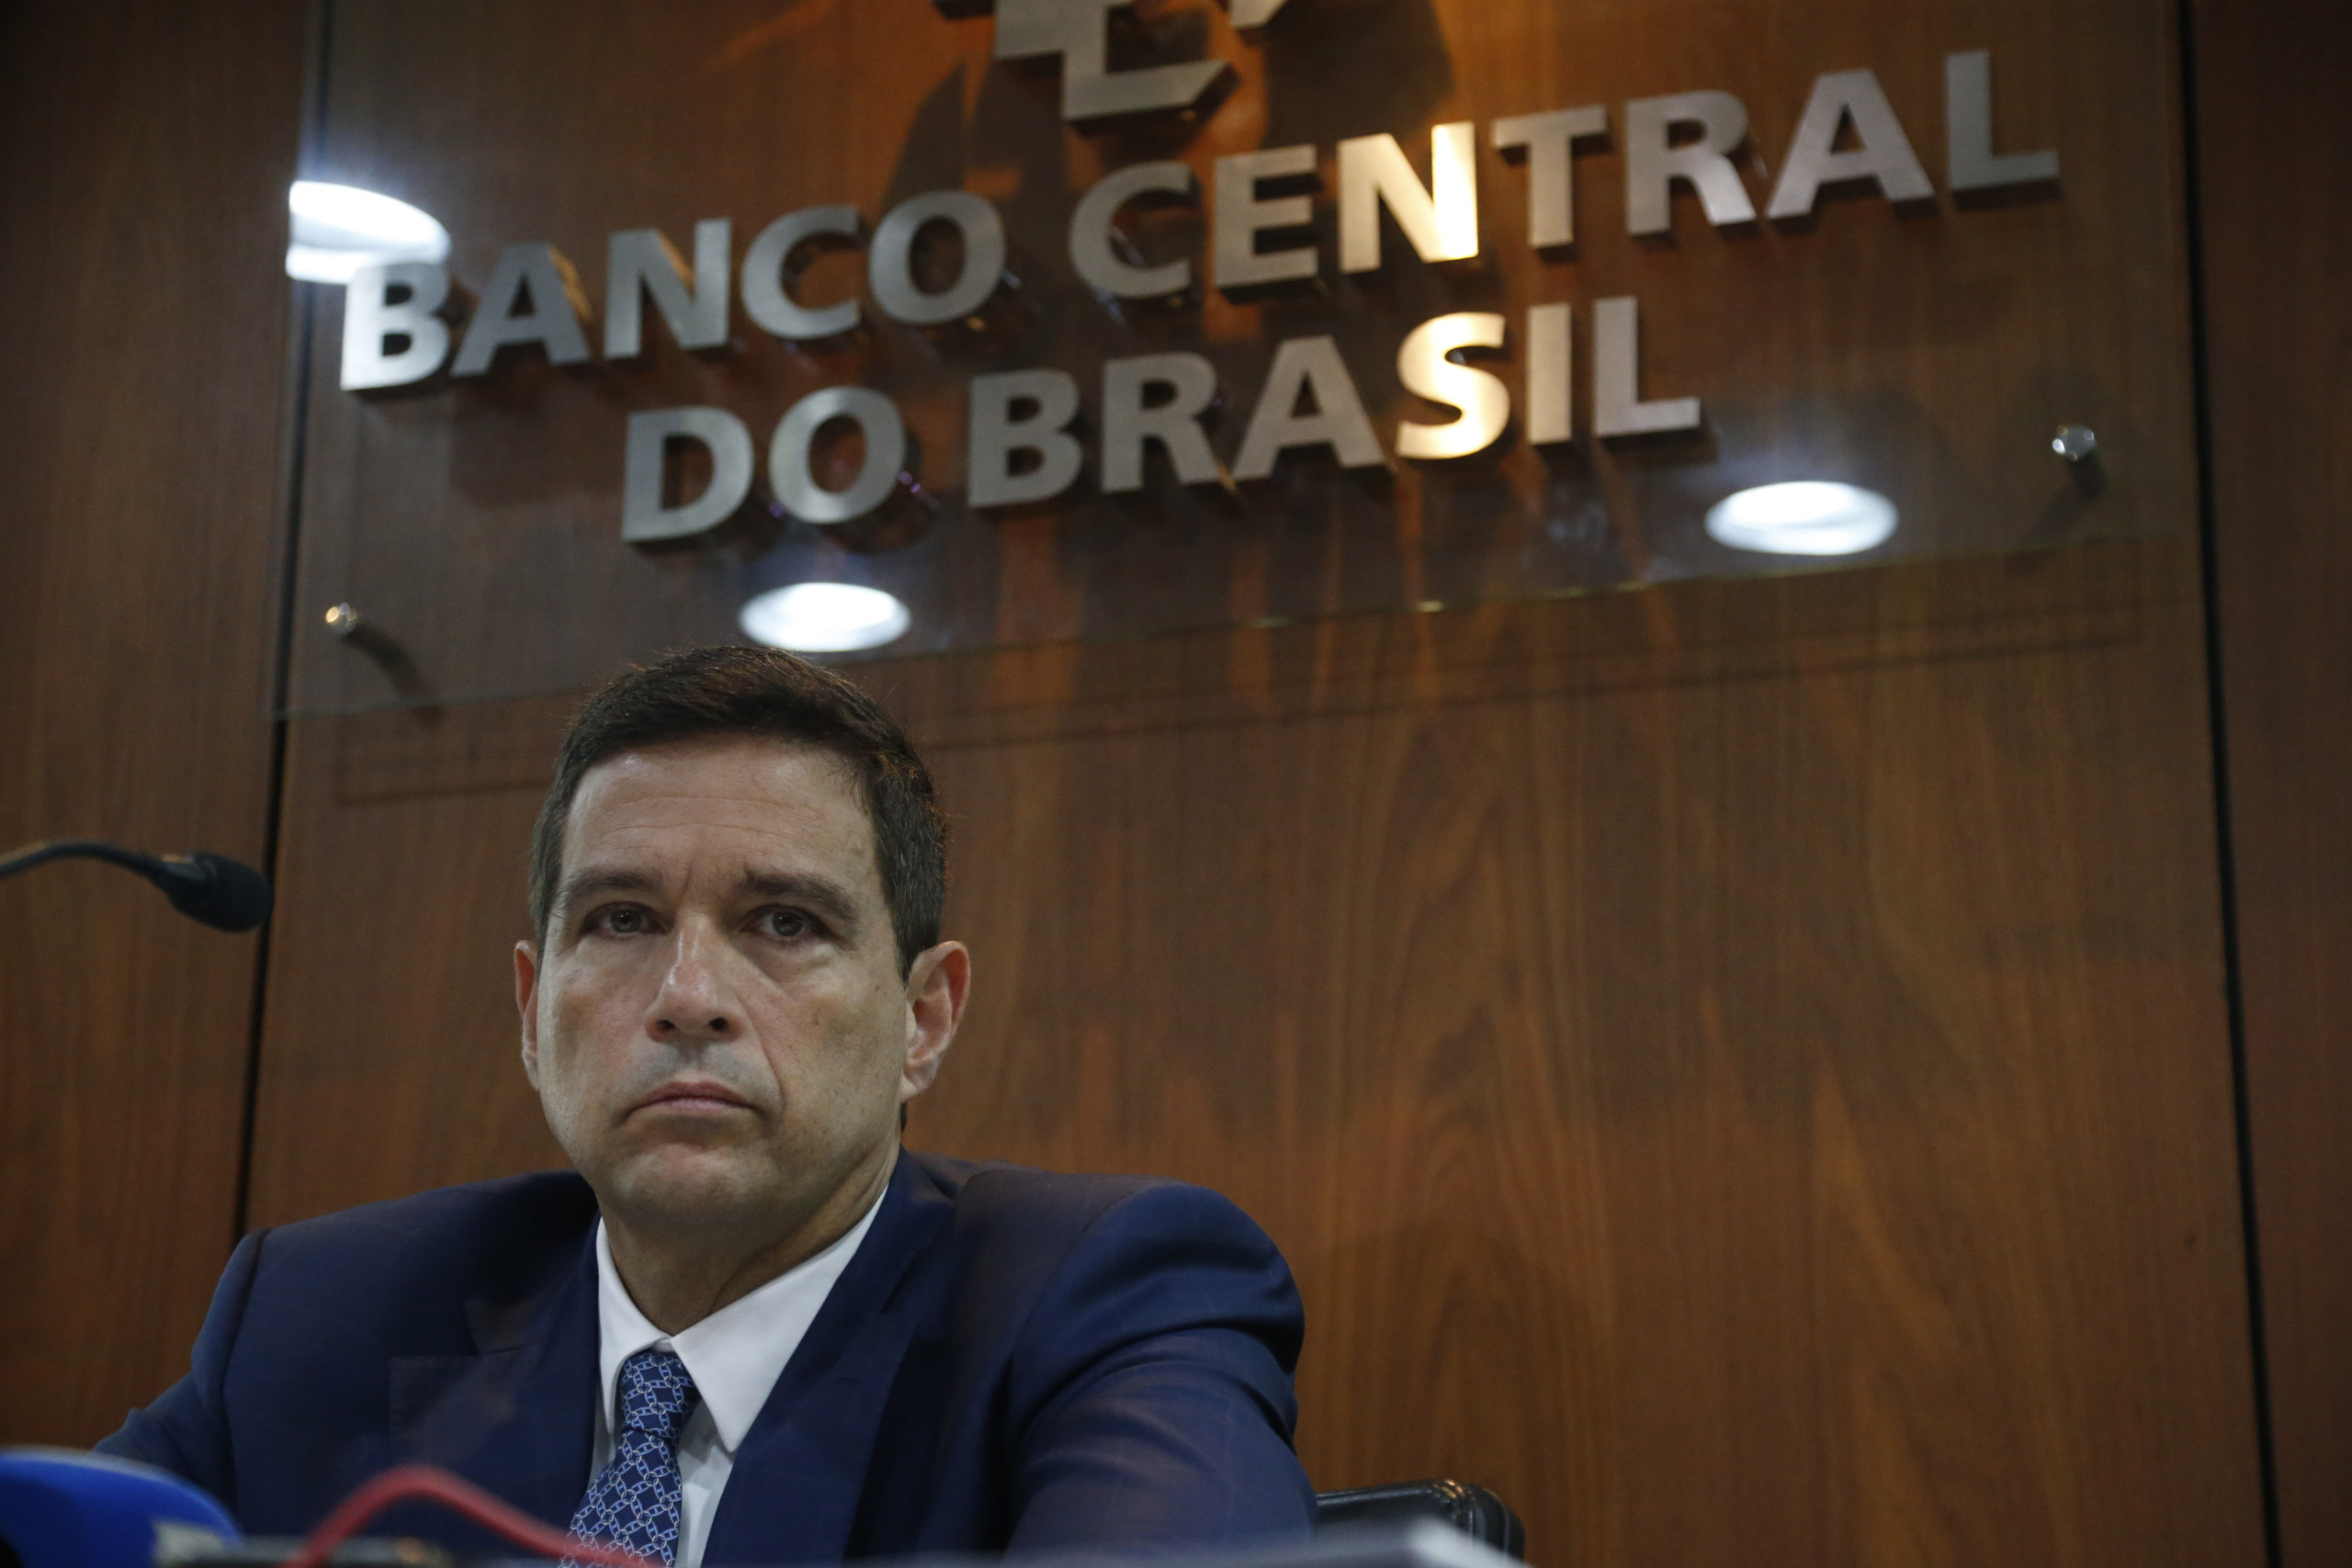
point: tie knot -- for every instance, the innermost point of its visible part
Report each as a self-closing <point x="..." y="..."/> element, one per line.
<point x="657" y="1394"/>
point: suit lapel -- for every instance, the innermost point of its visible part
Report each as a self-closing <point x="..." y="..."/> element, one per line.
<point x="519" y="1418"/>
<point x="794" y="1491"/>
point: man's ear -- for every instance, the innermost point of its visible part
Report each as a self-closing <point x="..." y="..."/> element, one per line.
<point x="526" y="989"/>
<point x="937" y="988"/>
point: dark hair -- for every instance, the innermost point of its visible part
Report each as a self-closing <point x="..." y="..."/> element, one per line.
<point x="726" y="691"/>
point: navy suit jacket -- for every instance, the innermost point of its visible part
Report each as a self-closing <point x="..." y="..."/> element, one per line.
<point x="1012" y="1360"/>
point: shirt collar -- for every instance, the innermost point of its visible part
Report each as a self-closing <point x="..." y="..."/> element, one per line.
<point x="736" y="1354"/>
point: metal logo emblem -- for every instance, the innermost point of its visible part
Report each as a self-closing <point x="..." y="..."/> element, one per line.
<point x="1079" y="32"/>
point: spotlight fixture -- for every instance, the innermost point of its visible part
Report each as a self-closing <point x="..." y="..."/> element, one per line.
<point x="1803" y="517"/>
<point x="340" y="229"/>
<point x="825" y="618"/>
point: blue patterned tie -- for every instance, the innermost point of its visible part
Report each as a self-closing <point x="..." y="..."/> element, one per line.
<point x="637" y="1500"/>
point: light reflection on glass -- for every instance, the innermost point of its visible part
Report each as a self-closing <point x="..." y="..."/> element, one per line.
<point x="340" y="229"/>
<point x="1803" y="517"/>
<point x="825" y="618"/>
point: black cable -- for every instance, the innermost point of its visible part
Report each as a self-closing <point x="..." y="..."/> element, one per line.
<point x="224" y="893"/>
<point x="48" y="849"/>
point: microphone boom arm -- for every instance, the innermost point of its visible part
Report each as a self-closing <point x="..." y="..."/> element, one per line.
<point x="224" y="893"/>
<point x="48" y="849"/>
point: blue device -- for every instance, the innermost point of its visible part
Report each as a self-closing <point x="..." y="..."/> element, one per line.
<point x="62" y="1508"/>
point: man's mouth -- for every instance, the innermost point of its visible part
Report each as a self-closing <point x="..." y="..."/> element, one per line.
<point x="694" y="1095"/>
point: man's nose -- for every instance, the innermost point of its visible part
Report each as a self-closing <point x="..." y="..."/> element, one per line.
<point x="695" y="1002"/>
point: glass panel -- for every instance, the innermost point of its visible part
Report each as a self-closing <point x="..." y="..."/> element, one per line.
<point x="1925" y="351"/>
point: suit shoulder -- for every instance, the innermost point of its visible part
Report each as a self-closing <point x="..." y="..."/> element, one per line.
<point x="997" y="1188"/>
<point x="1049" y="1211"/>
<point x="1061" y="1272"/>
<point x="484" y="1227"/>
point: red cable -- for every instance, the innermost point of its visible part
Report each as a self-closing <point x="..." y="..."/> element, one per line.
<point x="422" y="1480"/>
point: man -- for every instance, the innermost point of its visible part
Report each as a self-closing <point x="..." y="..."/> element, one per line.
<point x="753" y="1328"/>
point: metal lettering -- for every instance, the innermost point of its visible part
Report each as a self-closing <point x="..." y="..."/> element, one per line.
<point x="1094" y="223"/>
<point x="643" y="518"/>
<point x="891" y="268"/>
<point x="1242" y="217"/>
<point x="1312" y="364"/>
<point x="1968" y="131"/>
<point x="769" y="273"/>
<point x="1441" y="222"/>
<point x="795" y="483"/>
<point x="998" y="431"/>
<point x="1550" y="139"/>
<point x="1551" y="380"/>
<point x="1652" y="165"/>
<point x="1078" y="31"/>
<point x="371" y="318"/>
<point x="640" y="262"/>
<point x="1426" y="367"/>
<point x="1617" y="406"/>
<point x="1128" y="423"/>
<point x="1884" y="154"/>
<point x="553" y="321"/>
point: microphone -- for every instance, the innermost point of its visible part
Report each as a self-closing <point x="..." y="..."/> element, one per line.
<point x="224" y="893"/>
<point x="62" y="1509"/>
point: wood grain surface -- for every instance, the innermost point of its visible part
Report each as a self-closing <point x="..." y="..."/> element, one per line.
<point x="1739" y="1070"/>
<point x="144" y="153"/>
<point x="2273" y="128"/>
<point x="1740" y="1067"/>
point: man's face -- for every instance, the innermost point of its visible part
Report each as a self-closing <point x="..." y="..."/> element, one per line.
<point x="717" y="1025"/>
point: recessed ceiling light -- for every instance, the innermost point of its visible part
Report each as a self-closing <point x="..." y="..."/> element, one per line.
<point x="340" y="229"/>
<point x="1803" y="517"/>
<point x="825" y="618"/>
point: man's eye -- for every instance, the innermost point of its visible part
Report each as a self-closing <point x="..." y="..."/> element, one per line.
<point x="786" y="924"/>
<point x="623" y="921"/>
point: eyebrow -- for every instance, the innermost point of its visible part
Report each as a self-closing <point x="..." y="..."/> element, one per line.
<point x="822" y="895"/>
<point x="599" y="881"/>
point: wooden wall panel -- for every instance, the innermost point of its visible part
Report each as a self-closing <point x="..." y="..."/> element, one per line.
<point x="2275" y="134"/>
<point x="1713" y="1087"/>
<point x="1739" y="1068"/>
<point x="144" y="153"/>
<point x="390" y="1060"/>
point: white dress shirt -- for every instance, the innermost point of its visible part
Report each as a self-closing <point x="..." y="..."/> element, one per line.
<point x="735" y="1355"/>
